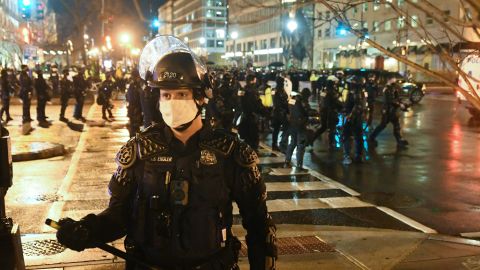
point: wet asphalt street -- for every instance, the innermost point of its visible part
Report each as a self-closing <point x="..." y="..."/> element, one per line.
<point x="436" y="181"/>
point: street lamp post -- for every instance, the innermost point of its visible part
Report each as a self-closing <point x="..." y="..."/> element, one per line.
<point x="234" y="36"/>
<point x="125" y="39"/>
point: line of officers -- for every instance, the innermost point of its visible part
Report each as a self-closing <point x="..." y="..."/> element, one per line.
<point x="24" y="84"/>
<point x="346" y="109"/>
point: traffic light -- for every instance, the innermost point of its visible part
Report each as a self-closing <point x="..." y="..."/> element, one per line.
<point x="40" y="10"/>
<point x="155" y="24"/>
<point x="341" y="30"/>
<point x="25" y="7"/>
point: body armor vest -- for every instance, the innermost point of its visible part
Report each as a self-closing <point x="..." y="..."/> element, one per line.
<point x="183" y="205"/>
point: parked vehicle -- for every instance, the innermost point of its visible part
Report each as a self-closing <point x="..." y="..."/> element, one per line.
<point x="411" y="90"/>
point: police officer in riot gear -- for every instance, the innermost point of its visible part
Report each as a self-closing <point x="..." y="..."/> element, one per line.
<point x="298" y="120"/>
<point x="7" y="90"/>
<point x="41" y="89"/>
<point x="54" y="79"/>
<point x="66" y="89"/>
<point x="371" y="88"/>
<point x="280" y="112"/>
<point x="391" y="106"/>
<point x="26" y="88"/>
<point x="80" y="86"/>
<point x="252" y="108"/>
<point x="173" y="190"/>
<point x="329" y="109"/>
<point x="134" y="107"/>
<point x="355" y="107"/>
<point x="105" y="94"/>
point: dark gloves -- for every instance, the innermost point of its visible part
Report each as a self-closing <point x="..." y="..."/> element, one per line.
<point x="77" y="235"/>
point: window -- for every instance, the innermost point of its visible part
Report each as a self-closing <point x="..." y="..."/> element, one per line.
<point x="320" y="15"/>
<point x="446" y="15"/>
<point x="319" y="33"/>
<point x="220" y="3"/>
<point x="239" y="47"/>
<point x="209" y="13"/>
<point x="327" y="32"/>
<point x="210" y="33"/>
<point x="210" y="43"/>
<point x="365" y="25"/>
<point x="219" y="13"/>
<point x="210" y="24"/>
<point x="250" y="46"/>
<point x="220" y="33"/>
<point x="327" y="15"/>
<point x="401" y="22"/>
<point x="263" y="44"/>
<point x="388" y="25"/>
<point x="387" y="5"/>
<point x="468" y="15"/>
<point x="414" y="22"/>
<point x="355" y="10"/>
<point x="375" y="26"/>
<point x="376" y="5"/>
<point x="429" y="20"/>
<point x="220" y="44"/>
<point x="400" y="2"/>
<point x="365" y="7"/>
<point x="273" y="43"/>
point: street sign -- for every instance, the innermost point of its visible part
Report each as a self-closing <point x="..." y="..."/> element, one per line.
<point x="30" y="51"/>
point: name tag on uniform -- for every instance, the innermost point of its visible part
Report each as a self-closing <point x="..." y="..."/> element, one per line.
<point x="161" y="159"/>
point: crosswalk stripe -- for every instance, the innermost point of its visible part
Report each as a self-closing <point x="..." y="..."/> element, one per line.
<point x="298" y="186"/>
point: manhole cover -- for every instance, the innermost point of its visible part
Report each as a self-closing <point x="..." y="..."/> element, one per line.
<point x="297" y="245"/>
<point x="391" y="199"/>
<point x="42" y="248"/>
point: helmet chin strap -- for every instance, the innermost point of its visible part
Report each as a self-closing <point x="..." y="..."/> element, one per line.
<point x="187" y="125"/>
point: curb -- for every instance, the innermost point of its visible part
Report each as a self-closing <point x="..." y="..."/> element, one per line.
<point x="25" y="151"/>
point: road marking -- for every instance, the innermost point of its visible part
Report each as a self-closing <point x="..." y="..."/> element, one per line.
<point x="339" y="202"/>
<point x="56" y="209"/>
<point x="410" y="222"/>
<point x="471" y="234"/>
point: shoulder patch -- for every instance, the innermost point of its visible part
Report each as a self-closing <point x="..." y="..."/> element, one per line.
<point x="127" y="154"/>
<point x="150" y="144"/>
<point x="219" y="142"/>
<point x="245" y="156"/>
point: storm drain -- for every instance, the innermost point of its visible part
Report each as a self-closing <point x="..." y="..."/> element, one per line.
<point x="296" y="245"/>
<point x="42" y="248"/>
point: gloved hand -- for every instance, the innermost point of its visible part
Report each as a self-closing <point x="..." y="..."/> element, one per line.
<point x="76" y="235"/>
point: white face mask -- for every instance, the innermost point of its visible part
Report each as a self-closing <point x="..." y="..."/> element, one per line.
<point x="176" y="112"/>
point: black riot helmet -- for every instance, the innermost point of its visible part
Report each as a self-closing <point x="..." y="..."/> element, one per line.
<point x="167" y="63"/>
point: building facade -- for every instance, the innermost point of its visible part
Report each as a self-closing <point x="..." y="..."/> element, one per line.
<point x="336" y="47"/>
<point x="201" y="24"/>
<point x="10" y="33"/>
<point x="254" y="34"/>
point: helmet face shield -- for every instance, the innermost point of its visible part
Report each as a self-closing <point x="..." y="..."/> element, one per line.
<point x="166" y="62"/>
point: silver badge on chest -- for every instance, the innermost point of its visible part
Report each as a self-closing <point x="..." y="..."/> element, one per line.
<point x="207" y="157"/>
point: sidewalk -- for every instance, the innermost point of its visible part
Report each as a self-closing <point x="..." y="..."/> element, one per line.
<point x="300" y="247"/>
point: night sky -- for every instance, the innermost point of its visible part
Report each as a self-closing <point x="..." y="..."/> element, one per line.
<point x="124" y="13"/>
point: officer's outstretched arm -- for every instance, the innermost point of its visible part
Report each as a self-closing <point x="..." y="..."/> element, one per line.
<point x="110" y="224"/>
<point x="250" y="194"/>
